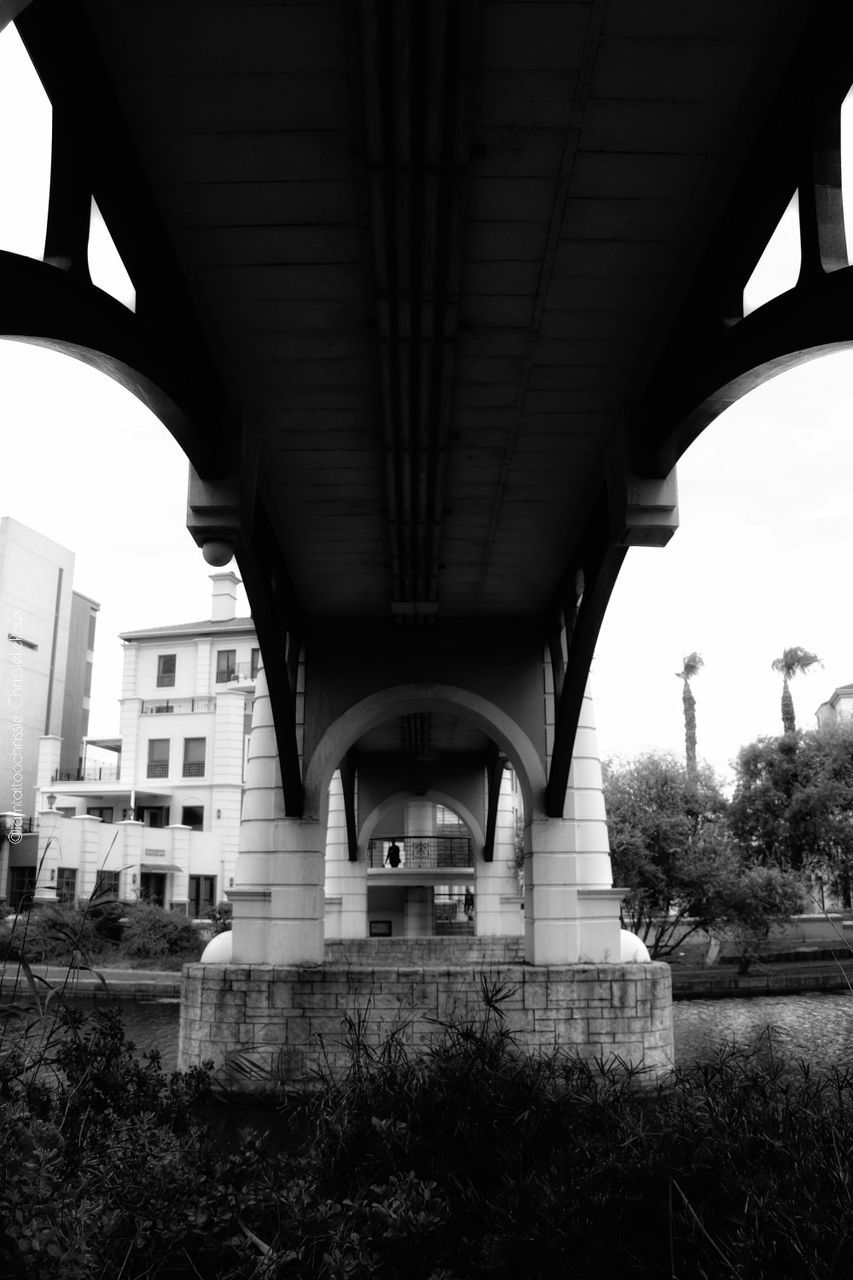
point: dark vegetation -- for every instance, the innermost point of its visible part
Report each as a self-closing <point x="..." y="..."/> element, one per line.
<point x="473" y="1160"/>
<point x="106" y="933"/>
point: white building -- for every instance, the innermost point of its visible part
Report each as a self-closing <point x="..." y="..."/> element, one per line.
<point x="838" y="708"/>
<point x="155" y="813"/>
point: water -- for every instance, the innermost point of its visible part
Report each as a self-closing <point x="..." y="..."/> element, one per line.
<point x="815" y="1027"/>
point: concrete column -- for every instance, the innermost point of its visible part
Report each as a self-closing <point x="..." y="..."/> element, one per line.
<point x="418" y="911"/>
<point x="571" y="907"/>
<point x="129" y="717"/>
<point x="47" y="768"/>
<point x="497" y="902"/>
<point x="203" y="675"/>
<point x="180" y="856"/>
<point x="89" y="852"/>
<point x="129" y="850"/>
<point x="278" y="894"/>
<point x="346" y="882"/>
<point x="51" y="837"/>
<point x="228" y="736"/>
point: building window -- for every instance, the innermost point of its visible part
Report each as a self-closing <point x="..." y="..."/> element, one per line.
<point x="21" y="887"/>
<point x="105" y="814"/>
<point x="66" y="885"/>
<point x="158" y="758"/>
<point x="256" y="662"/>
<point x="202" y="896"/>
<point x="90" y="644"/>
<point x="194" y="757"/>
<point x="192" y="815"/>
<point x="226" y="665"/>
<point x="166" y="670"/>
<point x="106" y="885"/>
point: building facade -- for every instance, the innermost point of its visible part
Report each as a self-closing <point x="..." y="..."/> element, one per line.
<point x="155" y="813"/>
<point x="48" y="630"/>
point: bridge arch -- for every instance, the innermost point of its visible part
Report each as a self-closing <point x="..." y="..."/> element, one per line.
<point x="386" y="704"/>
<point x="432" y="796"/>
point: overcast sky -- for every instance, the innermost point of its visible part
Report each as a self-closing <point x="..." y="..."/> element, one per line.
<point x="761" y="561"/>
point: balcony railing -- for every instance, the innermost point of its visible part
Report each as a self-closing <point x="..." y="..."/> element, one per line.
<point x="158" y="768"/>
<point x="176" y="706"/>
<point x="238" y="671"/>
<point x="421" y="852"/>
<point x="91" y="773"/>
<point x="193" y="768"/>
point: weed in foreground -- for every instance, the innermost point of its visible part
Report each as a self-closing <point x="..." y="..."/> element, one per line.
<point x="474" y="1159"/>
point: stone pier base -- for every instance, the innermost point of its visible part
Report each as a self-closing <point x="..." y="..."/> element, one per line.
<point x="264" y="1026"/>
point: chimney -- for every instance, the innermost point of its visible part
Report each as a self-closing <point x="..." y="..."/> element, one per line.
<point x="224" y="601"/>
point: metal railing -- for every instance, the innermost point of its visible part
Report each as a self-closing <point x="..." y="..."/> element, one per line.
<point x="193" y="768"/>
<point x="158" y="768"/>
<point x="176" y="706"/>
<point x="239" y="671"/>
<point x="91" y="773"/>
<point x="420" y="852"/>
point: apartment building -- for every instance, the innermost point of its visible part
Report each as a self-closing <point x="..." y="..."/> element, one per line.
<point x="48" y="631"/>
<point x="155" y="812"/>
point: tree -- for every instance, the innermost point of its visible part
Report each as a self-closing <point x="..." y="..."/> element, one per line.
<point x="793" y="804"/>
<point x="792" y="662"/>
<point x="760" y="900"/>
<point x="670" y="847"/>
<point x="691" y="666"/>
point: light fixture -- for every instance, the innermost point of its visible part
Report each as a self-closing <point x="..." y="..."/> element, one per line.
<point x="219" y="813"/>
<point x="53" y="873"/>
<point x="51" y="800"/>
<point x="217" y="552"/>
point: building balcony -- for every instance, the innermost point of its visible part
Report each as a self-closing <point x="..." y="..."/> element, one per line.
<point x="91" y="773"/>
<point x="176" y="706"/>
<point x="237" y="673"/>
<point x="421" y="853"/>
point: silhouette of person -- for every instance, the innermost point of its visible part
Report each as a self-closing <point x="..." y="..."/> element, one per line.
<point x="392" y="858"/>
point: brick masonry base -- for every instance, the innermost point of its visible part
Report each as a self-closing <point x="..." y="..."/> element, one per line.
<point x="264" y="1026"/>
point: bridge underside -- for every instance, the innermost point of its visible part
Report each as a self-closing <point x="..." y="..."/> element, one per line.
<point x="434" y="296"/>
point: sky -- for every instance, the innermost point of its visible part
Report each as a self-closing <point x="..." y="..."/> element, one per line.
<point x="761" y="561"/>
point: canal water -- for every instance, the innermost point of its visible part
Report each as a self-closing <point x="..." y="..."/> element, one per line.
<point x="816" y="1028"/>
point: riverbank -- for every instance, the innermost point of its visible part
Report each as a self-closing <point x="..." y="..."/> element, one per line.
<point x="779" y="977"/>
<point x="121" y="984"/>
<point x="790" y="977"/>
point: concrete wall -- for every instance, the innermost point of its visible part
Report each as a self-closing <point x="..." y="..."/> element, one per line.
<point x="263" y="1025"/>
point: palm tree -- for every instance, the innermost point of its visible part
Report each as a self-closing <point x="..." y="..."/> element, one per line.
<point x="791" y="663"/>
<point x="693" y="664"/>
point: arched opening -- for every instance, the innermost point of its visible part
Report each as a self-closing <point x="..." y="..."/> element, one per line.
<point x="94" y="545"/>
<point x="424" y="818"/>
<point x="759" y="563"/>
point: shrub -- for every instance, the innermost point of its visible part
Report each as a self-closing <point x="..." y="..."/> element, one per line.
<point x="150" y="932"/>
<point x="52" y="934"/>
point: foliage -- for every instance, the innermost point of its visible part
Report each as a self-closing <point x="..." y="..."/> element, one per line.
<point x="670" y="847"/>
<point x="52" y="934"/>
<point x="473" y="1159"/>
<point x="55" y="934"/>
<point x="150" y="932"/>
<point x="760" y="900"/>
<point x="793" y="803"/>
<point x="794" y="661"/>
